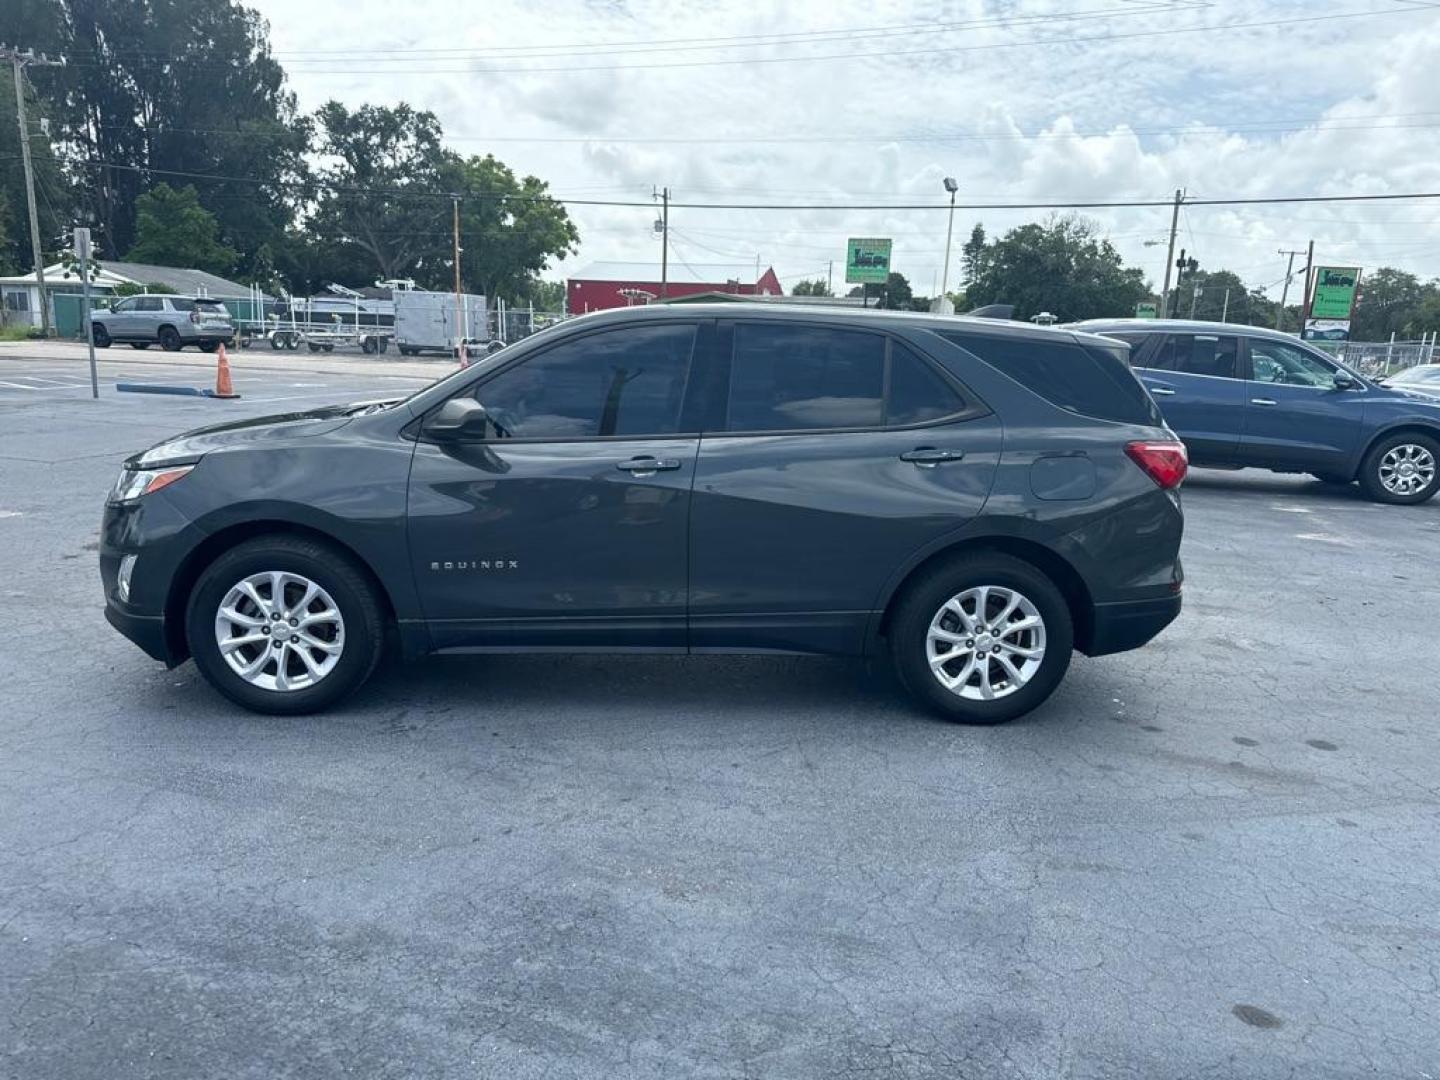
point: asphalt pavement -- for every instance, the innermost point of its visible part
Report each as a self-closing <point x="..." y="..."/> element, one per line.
<point x="1214" y="857"/>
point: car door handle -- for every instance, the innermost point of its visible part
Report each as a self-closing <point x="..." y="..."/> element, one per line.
<point x="927" y="457"/>
<point x="1263" y="401"/>
<point x="647" y="466"/>
<point x="1160" y="391"/>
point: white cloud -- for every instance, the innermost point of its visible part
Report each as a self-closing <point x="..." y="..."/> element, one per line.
<point x="1121" y="107"/>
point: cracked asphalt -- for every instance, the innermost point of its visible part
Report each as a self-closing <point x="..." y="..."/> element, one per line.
<point x="1214" y="857"/>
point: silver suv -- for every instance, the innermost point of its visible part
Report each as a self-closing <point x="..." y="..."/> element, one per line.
<point x="172" y="322"/>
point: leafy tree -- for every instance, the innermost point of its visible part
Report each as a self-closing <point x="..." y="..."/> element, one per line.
<point x="173" y="229"/>
<point x="510" y="228"/>
<point x="816" y="287"/>
<point x="1062" y="266"/>
<point x="896" y="293"/>
<point x="972" y="252"/>
<point x="547" y="295"/>
<point x="381" y="201"/>
<point x="159" y="87"/>
<point x="1389" y="302"/>
<point x="127" y="289"/>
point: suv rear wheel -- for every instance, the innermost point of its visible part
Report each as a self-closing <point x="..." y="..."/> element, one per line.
<point x="1403" y="468"/>
<point x="101" y="335"/>
<point x="284" y="625"/>
<point x="982" y="639"/>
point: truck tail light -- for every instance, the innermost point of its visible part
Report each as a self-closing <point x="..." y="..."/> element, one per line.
<point x="1165" y="461"/>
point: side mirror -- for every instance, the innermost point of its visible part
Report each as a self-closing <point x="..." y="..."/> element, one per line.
<point x="458" y="418"/>
<point x="1343" y="381"/>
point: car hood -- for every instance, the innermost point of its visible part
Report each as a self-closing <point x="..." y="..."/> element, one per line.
<point x="193" y="445"/>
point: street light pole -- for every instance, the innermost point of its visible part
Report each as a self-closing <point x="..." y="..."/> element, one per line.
<point x="942" y="303"/>
<point x="20" y="60"/>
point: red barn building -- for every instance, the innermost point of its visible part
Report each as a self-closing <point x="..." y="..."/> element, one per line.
<point x="604" y="285"/>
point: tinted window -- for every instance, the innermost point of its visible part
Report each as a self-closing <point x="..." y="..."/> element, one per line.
<point x="621" y="382"/>
<point x="1088" y="379"/>
<point x="125" y="305"/>
<point x="181" y="304"/>
<point x="1198" y="354"/>
<point x="1135" y="341"/>
<point x="148" y="303"/>
<point x="917" y="391"/>
<point x="1276" y="362"/>
<point x="789" y="378"/>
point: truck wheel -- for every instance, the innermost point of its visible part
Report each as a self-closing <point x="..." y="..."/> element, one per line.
<point x="368" y="346"/>
<point x="981" y="639"/>
<point x="284" y="625"/>
<point x="292" y="342"/>
<point x="170" y="339"/>
<point x="101" y="335"/>
<point x="1403" y="469"/>
<point x="313" y="347"/>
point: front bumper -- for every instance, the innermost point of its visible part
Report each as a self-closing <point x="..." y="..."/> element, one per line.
<point x="1128" y="624"/>
<point x="146" y="631"/>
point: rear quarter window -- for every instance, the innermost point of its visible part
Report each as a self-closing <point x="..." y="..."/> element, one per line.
<point x="1082" y="378"/>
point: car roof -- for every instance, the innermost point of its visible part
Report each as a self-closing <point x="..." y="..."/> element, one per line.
<point x="1177" y="326"/>
<point x="871" y="318"/>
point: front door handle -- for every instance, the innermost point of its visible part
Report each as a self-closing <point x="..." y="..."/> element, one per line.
<point x="927" y="457"/>
<point x="647" y="466"/>
<point x="1160" y="391"/>
<point x="1263" y="401"/>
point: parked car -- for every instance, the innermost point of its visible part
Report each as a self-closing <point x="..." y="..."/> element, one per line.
<point x="1424" y="378"/>
<point x="1244" y="396"/>
<point x="172" y="322"/>
<point x="977" y="499"/>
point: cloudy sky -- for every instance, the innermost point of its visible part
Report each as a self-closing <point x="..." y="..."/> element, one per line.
<point x="875" y="102"/>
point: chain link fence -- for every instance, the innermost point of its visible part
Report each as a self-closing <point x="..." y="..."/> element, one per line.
<point x="1381" y="358"/>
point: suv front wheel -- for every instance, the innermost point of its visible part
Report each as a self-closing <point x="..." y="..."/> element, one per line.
<point x="1403" y="468"/>
<point x="284" y="625"/>
<point x="982" y="639"/>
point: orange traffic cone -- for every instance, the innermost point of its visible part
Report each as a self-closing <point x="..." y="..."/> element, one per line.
<point x="223" y="389"/>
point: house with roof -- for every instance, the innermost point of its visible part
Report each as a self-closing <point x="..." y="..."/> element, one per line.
<point x="604" y="285"/>
<point x="20" y="295"/>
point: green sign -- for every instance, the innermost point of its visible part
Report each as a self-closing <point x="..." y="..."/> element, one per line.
<point x="1146" y="310"/>
<point x="1335" y="289"/>
<point x="867" y="261"/>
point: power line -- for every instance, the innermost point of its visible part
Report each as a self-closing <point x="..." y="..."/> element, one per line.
<point x="571" y="201"/>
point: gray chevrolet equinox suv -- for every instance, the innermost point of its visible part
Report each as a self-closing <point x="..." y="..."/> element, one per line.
<point x="172" y="322"/>
<point x="975" y="499"/>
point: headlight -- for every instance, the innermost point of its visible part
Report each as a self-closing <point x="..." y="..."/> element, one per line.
<point x="133" y="483"/>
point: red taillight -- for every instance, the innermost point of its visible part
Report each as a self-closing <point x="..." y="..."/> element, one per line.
<point x="195" y="315"/>
<point x="1164" y="462"/>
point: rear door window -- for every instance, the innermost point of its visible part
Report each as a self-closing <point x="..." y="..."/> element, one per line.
<point x="1087" y="379"/>
<point x="799" y="378"/>
<point x="149" y="303"/>
<point x="917" y="391"/>
<point x="1215" y="355"/>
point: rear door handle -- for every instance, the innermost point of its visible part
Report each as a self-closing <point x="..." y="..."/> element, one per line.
<point x="647" y="466"/>
<point x="1263" y="401"/>
<point x="927" y="457"/>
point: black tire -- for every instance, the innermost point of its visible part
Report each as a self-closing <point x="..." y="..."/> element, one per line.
<point x="170" y="339"/>
<point x="384" y="344"/>
<point x="924" y="597"/>
<point x="277" y="341"/>
<point x="312" y="346"/>
<point x="1334" y="479"/>
<point x="348" y="585"/>
<point x="292" y="342"/>
<point x="328" y="348"/>
<point x="137" y="344"/>
<point x="368" y="346"/>
<point x="101" y="335"/>
<point x="1374" y="468"/>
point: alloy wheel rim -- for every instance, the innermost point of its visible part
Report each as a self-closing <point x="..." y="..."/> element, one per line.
<point x="986" y="643"/>
<point x="1407" y="469"/>
<point x="279" y="631"/>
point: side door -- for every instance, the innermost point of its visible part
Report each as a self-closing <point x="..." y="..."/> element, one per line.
<point x="121" y="322"/>
<point x="1196" y="380"/>
<point x="1295" y="416"/>
<point x="831" y="455"/>
<point x="144" y="321"/>
<point x="562" y="523"/>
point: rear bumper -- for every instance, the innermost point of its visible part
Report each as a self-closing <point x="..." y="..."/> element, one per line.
<point x="1128" y="624"/>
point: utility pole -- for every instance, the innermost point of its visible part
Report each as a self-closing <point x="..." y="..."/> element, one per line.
<point x="1285" y="291"/>
<point x="1225" y="307"/>
<point x="830" y="279"/>
<point x="21" y="60"/>
<point x="665" y="243"/>
<point x="1170" y="254"/>
<point x="1305" y="303"/>
<point x="459" y="296"/>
